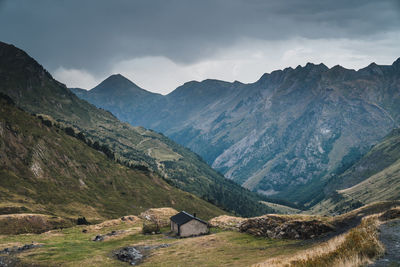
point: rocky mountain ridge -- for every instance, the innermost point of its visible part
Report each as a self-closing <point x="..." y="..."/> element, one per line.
<point x="281" y="135"/>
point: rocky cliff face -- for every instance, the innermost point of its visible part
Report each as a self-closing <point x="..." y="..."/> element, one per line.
<point x="286" y="133"/>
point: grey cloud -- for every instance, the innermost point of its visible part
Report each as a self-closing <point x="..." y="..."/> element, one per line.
<point x="94" y="34"/>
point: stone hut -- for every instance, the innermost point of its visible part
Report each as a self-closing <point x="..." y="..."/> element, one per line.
<point x="185" y="224"/>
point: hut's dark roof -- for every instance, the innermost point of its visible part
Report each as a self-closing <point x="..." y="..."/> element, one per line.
<point x="184" y="217"/>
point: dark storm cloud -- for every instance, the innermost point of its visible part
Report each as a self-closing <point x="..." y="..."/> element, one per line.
<point x="92" y="34"/>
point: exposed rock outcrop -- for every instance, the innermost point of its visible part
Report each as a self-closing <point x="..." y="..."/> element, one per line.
<point x="281" y="228"/>
<point x="19" y="249"/>
<point x="135" y="255"/>
<point x="108" y="235"/>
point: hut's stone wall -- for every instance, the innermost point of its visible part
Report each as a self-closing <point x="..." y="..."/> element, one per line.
<point x="193" y="228"/>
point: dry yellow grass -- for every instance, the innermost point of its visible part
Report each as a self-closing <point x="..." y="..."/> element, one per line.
<point x="358" y="246"/>
<point x="313" y="252"/>
<point x="10" y="245"/>
<point x="129" y="219"/>
<point x="226" y="222"/>
<point x="159" y="215"/>
<point x="30" y="223"/>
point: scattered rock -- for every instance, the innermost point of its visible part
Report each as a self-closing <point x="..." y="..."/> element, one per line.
<point x="135" y="255"/>
<point x="129" y="254"/>
<point x="282" y="228"/>
<point x="98" y="238"/>
<point x="128" y="218"/>
<point x="19" y="249"/>
<point x="103" y="237"/>
<point x="9" y="261"/>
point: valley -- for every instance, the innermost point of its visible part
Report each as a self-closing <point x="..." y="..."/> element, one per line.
<point x="283" y="135"/>
<point x="33" y="89"/>
<point x="180" y="133"/>
<point x="74" y="246"/>
<point x="80" y="187"/>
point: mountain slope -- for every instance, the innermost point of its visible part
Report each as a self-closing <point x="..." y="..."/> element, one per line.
<point x="286" y="132"/>
<point x="33" y="89"/>
<point x="45" y="170"/>
<point x="375" y="177"/>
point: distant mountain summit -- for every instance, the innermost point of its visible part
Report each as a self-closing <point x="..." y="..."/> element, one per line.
<point x="114" y="93"/>
<point x="285" y="134"/>
<point x="115" y="84"/>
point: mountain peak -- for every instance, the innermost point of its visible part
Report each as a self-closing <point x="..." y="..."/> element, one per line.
<point x="372" y="69"/>
<point x="117" y="76"/>
<point x="316" y="68"/>
<point x="114" y="83"/>
<point x="338" y="68"/>
<point x="117" y="79"/>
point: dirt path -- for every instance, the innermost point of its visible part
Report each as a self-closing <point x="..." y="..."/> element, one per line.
<point x="390" y="237"/>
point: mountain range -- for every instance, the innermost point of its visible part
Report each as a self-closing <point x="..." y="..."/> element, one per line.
<point x="34" y="90"/>
<point x="325" y="139"/>
<point x="286" y="135"/>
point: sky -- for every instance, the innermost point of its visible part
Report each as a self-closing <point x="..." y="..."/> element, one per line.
<point x="161" y="44"/>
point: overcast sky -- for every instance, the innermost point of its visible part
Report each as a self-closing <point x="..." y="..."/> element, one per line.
<point x="160" y="44"/>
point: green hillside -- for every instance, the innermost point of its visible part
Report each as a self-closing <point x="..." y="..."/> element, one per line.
<point x="33" y="89"/>
<point x="44" y="170"/>
<point x="375" y="177"/>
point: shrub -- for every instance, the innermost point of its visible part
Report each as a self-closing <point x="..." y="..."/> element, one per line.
<point x="69" y="131"/>
<point x="82" y="221"/>
<point x="47" y="123"/>
<point x="150" y="228"/>
<point x="81" y="137"/>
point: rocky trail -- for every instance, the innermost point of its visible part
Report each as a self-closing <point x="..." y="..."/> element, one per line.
<point x="390" y="237"/>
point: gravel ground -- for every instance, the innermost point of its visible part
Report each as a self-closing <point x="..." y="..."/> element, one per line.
<point x="390" y="237"/>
